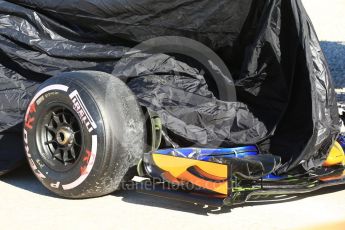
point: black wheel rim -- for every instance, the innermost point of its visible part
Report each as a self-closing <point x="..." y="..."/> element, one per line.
<point x="59" y="137"/>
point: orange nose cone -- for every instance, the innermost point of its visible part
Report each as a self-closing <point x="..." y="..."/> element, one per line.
<point x="336" y="156"/>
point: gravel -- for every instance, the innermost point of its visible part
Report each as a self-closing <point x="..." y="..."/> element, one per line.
<point x="335" y="54"/>
<point x="329" y="22"/>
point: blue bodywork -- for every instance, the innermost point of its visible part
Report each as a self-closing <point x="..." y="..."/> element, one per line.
<point x="341" y="140"/>
<point x="204" y="154"/>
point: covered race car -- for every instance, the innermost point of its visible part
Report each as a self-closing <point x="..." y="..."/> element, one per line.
<point x="230" y="98"/>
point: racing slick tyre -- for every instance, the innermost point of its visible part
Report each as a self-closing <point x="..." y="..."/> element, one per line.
<point x="83" y="133"/>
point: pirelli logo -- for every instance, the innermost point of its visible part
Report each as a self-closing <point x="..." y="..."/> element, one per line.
<point x="84" y="115"/>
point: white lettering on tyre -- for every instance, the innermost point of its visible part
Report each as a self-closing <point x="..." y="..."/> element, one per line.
<point x="80" y="108"/>
<point x="32" y="164"/>
<point x="85" y="170"/>
<point x="56" y="185"/>
<point x="30" y="120"/>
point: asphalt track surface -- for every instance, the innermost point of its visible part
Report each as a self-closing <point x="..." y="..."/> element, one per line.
<point x="26" y="204"/>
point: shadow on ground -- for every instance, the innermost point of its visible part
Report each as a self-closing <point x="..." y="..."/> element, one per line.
<point x="24" y="179"/>
<point x="177" y="205"/>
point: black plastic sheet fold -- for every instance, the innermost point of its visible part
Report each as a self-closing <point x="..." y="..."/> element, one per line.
<point x="285" y="98"/>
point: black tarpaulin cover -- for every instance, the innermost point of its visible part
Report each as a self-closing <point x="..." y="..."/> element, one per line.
<point x="286" y="102"/>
